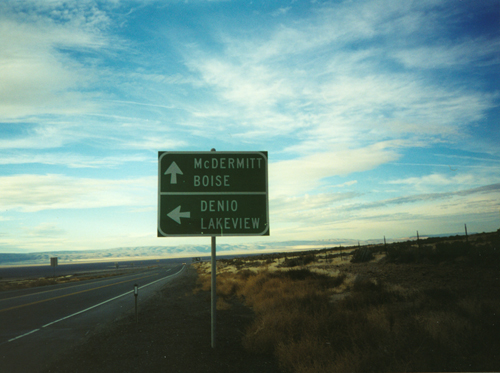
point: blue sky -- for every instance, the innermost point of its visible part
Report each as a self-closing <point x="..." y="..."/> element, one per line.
<point x="381" y="118"/>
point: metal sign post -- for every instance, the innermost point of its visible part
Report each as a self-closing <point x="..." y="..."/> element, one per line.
<point x="214" y="291"/>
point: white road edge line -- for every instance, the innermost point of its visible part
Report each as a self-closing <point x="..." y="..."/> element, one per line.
<point x="20" y="336"/>
<point x="97" y="305"/>
<point x="151" y="283"/>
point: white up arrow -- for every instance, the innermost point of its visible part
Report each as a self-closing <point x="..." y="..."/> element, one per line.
<point x="176" y="214"/>
<point x="173" y="170"/>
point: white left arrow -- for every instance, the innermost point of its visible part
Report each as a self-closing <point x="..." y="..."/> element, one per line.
<point x="176" y="214"/>
<point x="173" y="170"/>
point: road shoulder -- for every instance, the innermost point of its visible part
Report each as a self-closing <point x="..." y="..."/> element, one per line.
<point x="173" y="334"/>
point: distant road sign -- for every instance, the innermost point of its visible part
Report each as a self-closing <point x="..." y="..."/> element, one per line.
<point x="53" y="261"/>
<point x="212" y="194"/>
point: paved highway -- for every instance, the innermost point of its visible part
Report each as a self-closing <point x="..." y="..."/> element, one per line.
<point x="37" y="323"/>
<point x="12" y="271"/>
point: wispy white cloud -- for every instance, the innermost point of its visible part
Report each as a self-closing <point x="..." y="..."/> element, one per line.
<point x="346" y="184"/>
<point x="50" y="140"/>
<point x="39" y="76"/>
<point x="44" y="230"/>
<point x="281" y="11"/>
<point x="71" y="160"/>
<point x="301" y="79"/>
<point x="315" y="209"/>
<point x="305" y="174"/>
<point x="439" y="180"/>
<point x="479" y="52"/>
<point x="30" y="193"/>
<point x="471" y="158"/>
<point x="241" y="83"/>
<point x="398" y="216"/>
<point x="154" y="143"/>
<point x="435" y="198"/>
<point x="37" y="136"/>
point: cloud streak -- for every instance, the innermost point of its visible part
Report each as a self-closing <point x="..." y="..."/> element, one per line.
<point x="39" y="75"/>
<point x="350" y="96"/>
<point x="431" y="197"/>
<point x="298" y="176"/>
<point x="32" y="193"/>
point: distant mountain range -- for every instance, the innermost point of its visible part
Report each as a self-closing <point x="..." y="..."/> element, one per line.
<point x="153" y="252"/>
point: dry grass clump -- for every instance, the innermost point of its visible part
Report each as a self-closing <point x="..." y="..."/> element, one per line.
<point x="374" y="329"/>
<point x="228" y="284"/>
<point x="23" y="284"/>
<point x="285" y="308"/>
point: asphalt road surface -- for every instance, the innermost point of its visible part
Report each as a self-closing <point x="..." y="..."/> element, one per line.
<point x="36" y="324"/>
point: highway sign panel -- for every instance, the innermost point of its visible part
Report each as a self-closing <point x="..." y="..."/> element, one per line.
<point x="212" y="194"/>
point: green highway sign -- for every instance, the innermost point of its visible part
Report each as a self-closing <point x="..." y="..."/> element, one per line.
<point x="212" y="194"/>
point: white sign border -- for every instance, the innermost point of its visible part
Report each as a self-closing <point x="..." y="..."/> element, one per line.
<point x="266" y="192"/>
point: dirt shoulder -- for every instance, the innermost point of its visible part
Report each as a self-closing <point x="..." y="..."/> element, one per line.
<point x="173" y="335"/>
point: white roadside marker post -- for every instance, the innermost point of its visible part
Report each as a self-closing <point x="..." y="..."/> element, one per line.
<point x="136" y="291"/>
